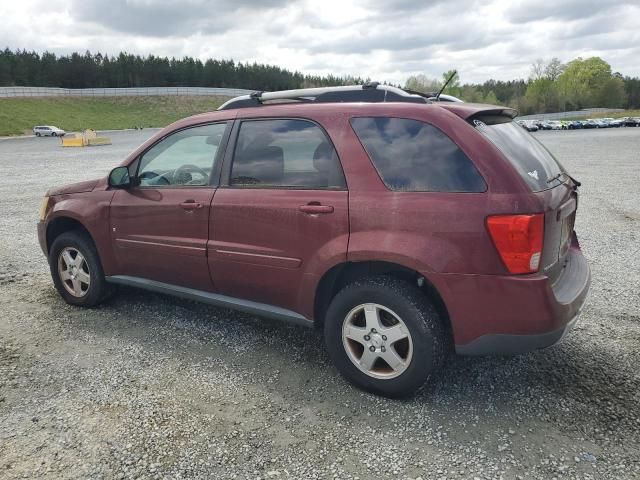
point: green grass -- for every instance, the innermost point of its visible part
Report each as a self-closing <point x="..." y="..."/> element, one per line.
<point x="625" y="113"/>
<point x="20" y="115"/>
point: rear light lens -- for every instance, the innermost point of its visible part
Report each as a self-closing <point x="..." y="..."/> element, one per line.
<point x="518" y="239"/>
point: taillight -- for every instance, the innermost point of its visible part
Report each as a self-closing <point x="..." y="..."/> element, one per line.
<point x="519" y="240"/>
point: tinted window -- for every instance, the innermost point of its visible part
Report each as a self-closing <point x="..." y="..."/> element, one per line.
<point x="530" y="158"/>
<point x="285" y="153"/>
<point x="413" y="156"/>
<point x="183" y="158"/>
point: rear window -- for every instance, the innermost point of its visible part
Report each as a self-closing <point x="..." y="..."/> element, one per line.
<point x="413" y="156"/>
<point x="535" y="164"/>
<point x="285" y="153"/>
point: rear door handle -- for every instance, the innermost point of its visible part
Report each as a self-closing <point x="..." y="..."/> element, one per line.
<point x="314" y="209"/>
<point x="191" y="205"/>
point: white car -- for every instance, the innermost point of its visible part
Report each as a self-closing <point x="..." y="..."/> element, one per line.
<point x="48" y="131"/>
<point x="555" y="125"/>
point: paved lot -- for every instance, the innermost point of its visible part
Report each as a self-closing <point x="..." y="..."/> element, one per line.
<point x="148" y="386"/>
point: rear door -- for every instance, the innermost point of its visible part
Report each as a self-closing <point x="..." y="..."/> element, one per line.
<point x="160" y="226"/>
<point x="281" y="212"/>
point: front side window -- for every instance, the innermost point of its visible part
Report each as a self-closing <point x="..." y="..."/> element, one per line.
<point x="285" y="153"/>
<point x="413" y="156"/>
<point x="185" y="158"/>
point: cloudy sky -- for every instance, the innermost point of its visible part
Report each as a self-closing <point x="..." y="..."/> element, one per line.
<point x="382" y="39"/>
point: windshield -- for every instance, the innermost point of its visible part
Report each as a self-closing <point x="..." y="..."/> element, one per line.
<point x="530" y="158"/>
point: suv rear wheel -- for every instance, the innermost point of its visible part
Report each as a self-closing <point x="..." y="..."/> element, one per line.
<point x="384" y="336"/>
<point x="76" y="269"/>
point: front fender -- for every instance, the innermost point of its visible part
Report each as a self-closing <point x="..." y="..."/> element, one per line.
<point x="91" y="210"/>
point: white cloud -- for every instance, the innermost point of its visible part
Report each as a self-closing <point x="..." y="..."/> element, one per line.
<point x="384" y="40"/>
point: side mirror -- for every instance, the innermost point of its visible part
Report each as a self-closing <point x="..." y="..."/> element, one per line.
<point x="119" y="178"/>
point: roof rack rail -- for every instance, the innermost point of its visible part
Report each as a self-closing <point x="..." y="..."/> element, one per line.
<point x="372" y="92"/>
<point x="434" y="97"/>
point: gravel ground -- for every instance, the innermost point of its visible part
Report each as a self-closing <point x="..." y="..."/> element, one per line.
<point x="148" y="386"/>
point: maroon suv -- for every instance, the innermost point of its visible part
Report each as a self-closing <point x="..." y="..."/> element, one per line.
<point x="401" y="226"/>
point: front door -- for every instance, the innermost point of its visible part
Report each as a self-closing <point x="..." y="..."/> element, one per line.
<point x="160" y="226"/>
<point x="281" y="213"/>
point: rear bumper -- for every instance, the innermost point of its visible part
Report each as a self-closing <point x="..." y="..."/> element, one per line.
<point x="492" y="314"/>
<point x="505" y="344"/>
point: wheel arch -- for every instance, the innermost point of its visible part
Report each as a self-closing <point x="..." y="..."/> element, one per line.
<point x="61" y="224"/>
<point x="342" y="274"/>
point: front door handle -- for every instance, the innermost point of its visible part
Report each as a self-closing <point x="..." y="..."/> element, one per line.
<point x="314" y="209"/>
<point x="191" y="205"/>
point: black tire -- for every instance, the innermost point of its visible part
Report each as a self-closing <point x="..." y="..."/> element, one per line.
<point x="98" y="289"/>
<point x="37" y="134"/>
<point x="428" y="335"/>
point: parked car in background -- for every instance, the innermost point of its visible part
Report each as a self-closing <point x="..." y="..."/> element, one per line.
<point x="631" y="122"/>
<point x="542" y="125"/>
<point x="574" y="125"/>
<point x="48" y="131"/>
<point x="589" y="123"/>
<point x="555" y="125"/>
<point x="267" y="206"/>
<point x="528" y="126"/>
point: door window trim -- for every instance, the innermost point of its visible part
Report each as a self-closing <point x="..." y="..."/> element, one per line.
<point x="214" y="177"/>
<point x="227" y="164"/>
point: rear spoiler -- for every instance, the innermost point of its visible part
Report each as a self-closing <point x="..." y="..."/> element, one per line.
<point x="471" y="111"/>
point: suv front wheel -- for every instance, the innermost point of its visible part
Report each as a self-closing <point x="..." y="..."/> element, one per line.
<point x="76" y="269"/>
<point x="384" y="336"/>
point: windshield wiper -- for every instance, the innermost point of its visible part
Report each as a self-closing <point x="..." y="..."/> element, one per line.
<point x="557" y="177"/>
<point x="577" y="183"/>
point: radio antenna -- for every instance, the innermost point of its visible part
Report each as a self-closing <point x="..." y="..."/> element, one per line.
<point x="455" y="72"/>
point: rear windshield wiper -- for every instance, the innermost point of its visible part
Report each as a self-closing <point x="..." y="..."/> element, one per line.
<point x="557" y="177"/>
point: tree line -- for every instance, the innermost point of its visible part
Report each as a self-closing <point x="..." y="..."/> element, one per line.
<point x="552" y="86"/>
<point x="28" y="68"/>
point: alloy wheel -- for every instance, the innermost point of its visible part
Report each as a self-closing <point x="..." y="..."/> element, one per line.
<point x="377" y="341"/>
<point x="74" y="272"/>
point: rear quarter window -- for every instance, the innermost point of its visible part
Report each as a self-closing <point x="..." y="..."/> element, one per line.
<point x="413" y="156"/>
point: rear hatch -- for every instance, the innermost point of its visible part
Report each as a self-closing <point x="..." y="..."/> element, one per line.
<point x="547" y="179"/>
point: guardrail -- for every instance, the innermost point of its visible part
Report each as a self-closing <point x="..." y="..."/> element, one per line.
<point x="116" y="92"/>
<point x="585" y="112"/>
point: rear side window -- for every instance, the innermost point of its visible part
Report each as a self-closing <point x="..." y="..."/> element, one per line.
<point x="535" y="164"/>
<point x="413" y="156"/>
<point x="285" y="153"/>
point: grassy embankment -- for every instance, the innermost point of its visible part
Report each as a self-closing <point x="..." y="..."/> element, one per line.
<point x="20" y="115"/>
<point x="624" y="113"/>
